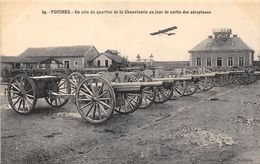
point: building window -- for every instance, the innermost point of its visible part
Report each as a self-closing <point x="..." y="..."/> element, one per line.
<point x="230" y="61"/>
<point x="66" y="64"/>
<point x="219" y="61"/>
<point x="241" y="61"/>
<point x="76" y="63"/>
<point x="106" y="63"/>
<point x="198" y="62"/>
<point x="208" y="62"/>
<point x="98" y="63"/>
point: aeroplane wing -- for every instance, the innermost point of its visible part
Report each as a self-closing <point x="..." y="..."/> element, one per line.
<point x="168" y="29"/>
<point x="156" y="33"/>
<point x="164" y="31"/>
<point x="170" y="34"/>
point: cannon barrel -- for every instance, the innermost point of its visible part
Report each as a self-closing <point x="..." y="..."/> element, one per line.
<point x="136" y="86"/>
<point x="201" y="75"/>
<point x="172" y="79"/>
<point x="222" y="73"/>
<point x="256" y="73"/>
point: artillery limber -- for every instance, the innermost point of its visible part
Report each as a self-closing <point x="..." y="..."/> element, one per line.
<point x="7" y="74"/>
<point x="23" y="91"/>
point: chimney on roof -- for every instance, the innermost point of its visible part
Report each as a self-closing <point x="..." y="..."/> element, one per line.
<point x="210" y="36"/>
<point x="222" y="34"/>
<point x="138" y="57"/>
<point x="234" y="35"/>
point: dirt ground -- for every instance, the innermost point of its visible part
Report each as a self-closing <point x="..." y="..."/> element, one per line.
<point x="217" y="126"/>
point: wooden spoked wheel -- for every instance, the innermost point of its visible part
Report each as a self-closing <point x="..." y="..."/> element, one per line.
<point x="221" y="80"/>
<point x="75" y="79"/>
<point x="95" y="99"/>
<point x="210" y="83"/>
<point x="178" y="90"/>
<point x="131" y="103"/>
<point x="201" y="84"/>
<point x="128" y="102"/>
<point x="232" y="79"/>
<point x="22" y="94"/>
<point x="178" y="87"/>
<point x="246" y="79"/>
<point x="191" y="88"/>
<point x="60" y="87"/>
<point x="235" y="79"/>
<point x="162" y="94"/>
<point x="148" y="93"/>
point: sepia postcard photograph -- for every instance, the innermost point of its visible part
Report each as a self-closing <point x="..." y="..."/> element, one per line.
<point x="130" y="82"/>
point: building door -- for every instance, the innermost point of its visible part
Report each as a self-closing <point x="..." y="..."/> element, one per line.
<point x="98" y="63"/>
<point x="17" y="65"/>
<point x="219" y="61"/>
<point x="67" y="64"/>
<point x="106" y="63"/>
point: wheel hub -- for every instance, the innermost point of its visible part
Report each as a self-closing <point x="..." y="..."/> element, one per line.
<point x="21" y="94"/>
<point x="95" y="98"/>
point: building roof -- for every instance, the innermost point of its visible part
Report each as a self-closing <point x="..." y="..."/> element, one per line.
<point x="115" y="58"/>
<point x="112" y="51"/>
<point x="232" y="44"/>
<point x="90" y="58"/>
<point x="66" y="51"/>
<point x="45" y="60"/>
<point x="15" y="59"/>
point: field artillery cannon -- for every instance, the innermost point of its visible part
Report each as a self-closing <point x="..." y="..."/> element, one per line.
<point x="95" y="93"/>
<point x="152" y="89"/>
<point x="95" y="98"/>
<point x="182" y="85"/>
<point x="148" y="92"/>
<point x="238" y="77"/>
<point x="200" y="82"/>
<point x="243" y="77"/>
<point x="160" y="94"/>
<point x="234" y="75"/>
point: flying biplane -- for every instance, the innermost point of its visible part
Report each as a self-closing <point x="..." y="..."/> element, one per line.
<point x="165" y="31"/>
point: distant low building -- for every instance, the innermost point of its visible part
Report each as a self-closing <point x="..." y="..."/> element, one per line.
<point x="108" y="58"/>
<point x="14" y="62"/>
<point x="222" y="50"/>
<point x="72" y="57"/>
<point x="166" y="65"/>
<point x="171" y="65"/>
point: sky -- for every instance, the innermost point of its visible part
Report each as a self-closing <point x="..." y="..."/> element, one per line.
<point x="23" y="25"/>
